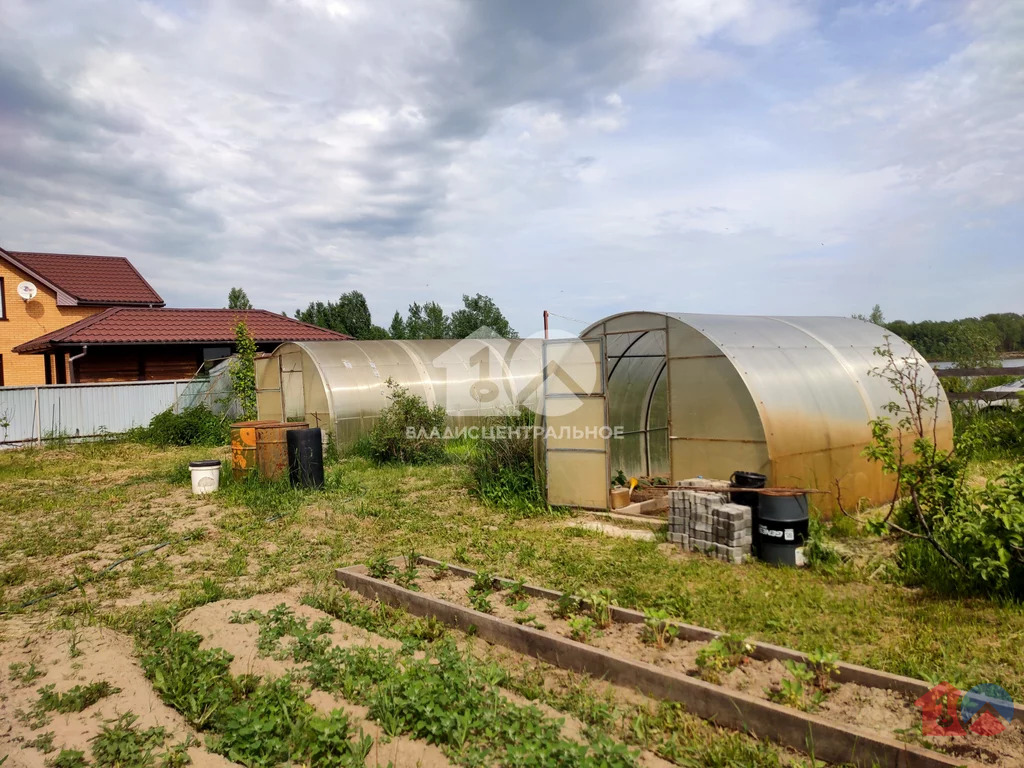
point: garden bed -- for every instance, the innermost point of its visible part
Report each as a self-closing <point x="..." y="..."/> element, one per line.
<point x="846" y="712"/>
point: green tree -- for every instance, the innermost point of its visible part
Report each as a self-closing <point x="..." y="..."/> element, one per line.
<point x="238" y="300"/>
<point x="397" y="329"/>
<point x="480" y="312"/>
<point x="427" y="321"/>
<point x="243" y="371"/>
<point x="349" y="314"/>
<point x="875" y="317"/>
<point x="972" y="344"/>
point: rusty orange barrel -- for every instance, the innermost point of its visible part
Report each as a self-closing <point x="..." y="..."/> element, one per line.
<point x="243" y="447"/>
<point x="272" y="447"/>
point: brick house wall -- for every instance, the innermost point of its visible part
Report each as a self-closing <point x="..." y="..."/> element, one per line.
<point x="26" y="320"/>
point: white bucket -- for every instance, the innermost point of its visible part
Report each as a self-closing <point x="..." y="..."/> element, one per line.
<point x="205" y="476"/>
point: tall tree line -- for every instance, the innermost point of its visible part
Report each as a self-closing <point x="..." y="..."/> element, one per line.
<point x="970" y="339"/>
<point x="350" y="314"/>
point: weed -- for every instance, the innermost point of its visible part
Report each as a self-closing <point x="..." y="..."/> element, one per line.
<point x="480" y="602"/>
<point x="69" y="758"/>
<point x="197" y="682"/>
<point x="440" y="571"/>
<point x="483" y="582"/>
<point x="677" y="605"/>
<point x="14" y="576"/>
<point x="504" y="472"/>
<point x="407" y="576"/>
<point x="825" y="666"/>
<point x="197" y="425"/>
<point x="381" y="568"/>
<point x="797" y="690"/>
<point x="565" y="606"/>
<point x="529" y="620"/>
<point x="388" y="439"/>
<point x="77" y="699"/>
<point x="24" y="674"/>
<point x="581" y="627"/>
<point x="516" y="592"/>
<point x="657" y="628"/>
<point x="722" y="655"/>
<point x="600" y="605"/>
<point x="381" y="619"/>
<point x="121" y="743"/>
<point x="818" y="551"/>
<point x="44" y="742"/>
<point x="289" y="731"/>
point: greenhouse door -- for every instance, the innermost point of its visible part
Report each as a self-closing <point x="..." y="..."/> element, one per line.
<point x="293" y="401"/>
<point x="576" y="433"/>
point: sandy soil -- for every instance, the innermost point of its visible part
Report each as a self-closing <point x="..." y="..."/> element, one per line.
<point x="103" y="655"/>
<point x="213" y="623"/>
<point x="870" y="709"/>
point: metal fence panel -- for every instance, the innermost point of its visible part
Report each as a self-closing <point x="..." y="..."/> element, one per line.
<point x="82" y="410"/>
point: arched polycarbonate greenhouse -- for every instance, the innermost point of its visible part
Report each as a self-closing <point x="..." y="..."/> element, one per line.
<point x="339" y="386"/>
<point x="789" y="397"/>
<point x="651" y="394"/>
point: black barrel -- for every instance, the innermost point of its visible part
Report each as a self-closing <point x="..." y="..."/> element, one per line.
<point x="741" y="479"/>
<point x="782" y="528"/>
<point x="306" y="458"/>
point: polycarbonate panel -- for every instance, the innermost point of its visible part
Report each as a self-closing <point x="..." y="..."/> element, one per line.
<point x="718" y="460"/>
<point x="268" y="389"/>
<point x="634" y="361"/>
<point x="580" y="429"/>
<point x="710" y="401"/>
<point x="574" y="367"/>
<point x="657" y="429"/>
<point x="470" y="378"/>
<point x="628" y="453"/>
<point x="577" y="480"/>
<point x="575" y="442"/>
<point x="802" y="385"/>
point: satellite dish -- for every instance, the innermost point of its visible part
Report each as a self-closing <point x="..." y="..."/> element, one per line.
<point x="27" y="290"/>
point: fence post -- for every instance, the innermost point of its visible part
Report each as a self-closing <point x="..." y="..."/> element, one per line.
<point x="39" y="421"/>
<point x="174" y="408"/>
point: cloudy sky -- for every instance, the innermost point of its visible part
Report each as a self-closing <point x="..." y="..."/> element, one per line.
<point x="741" y="156"/>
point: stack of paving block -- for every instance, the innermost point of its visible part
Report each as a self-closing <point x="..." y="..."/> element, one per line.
<point x="703" y="520"/>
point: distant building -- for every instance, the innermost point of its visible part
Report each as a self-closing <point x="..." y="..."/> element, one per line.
<point x="67" y="288"/>
<point x="95" y="318"/>
<point x="145" y="344"/>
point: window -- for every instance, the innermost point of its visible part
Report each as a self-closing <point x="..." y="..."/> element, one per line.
<point x="3" y="306"/>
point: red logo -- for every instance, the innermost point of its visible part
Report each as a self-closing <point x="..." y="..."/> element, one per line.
<point x="940" y="711"/>
<point x="943" y="713"/>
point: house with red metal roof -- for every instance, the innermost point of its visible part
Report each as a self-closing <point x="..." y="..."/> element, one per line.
<point x="145" y="344"/>
<point x="42" y="292"/>
<point x="73" y="318"/>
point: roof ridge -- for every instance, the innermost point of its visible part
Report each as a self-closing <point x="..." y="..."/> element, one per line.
<point x="88" y="279"/>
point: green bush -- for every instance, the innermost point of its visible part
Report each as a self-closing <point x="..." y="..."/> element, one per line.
<point x="503" y="464"/>
<point x="1000" y="430"/>
<point x="197" y="425"/>
<point x="407" y="430"/>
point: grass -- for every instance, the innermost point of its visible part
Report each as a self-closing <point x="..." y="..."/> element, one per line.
<point x="67" y="513"/>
